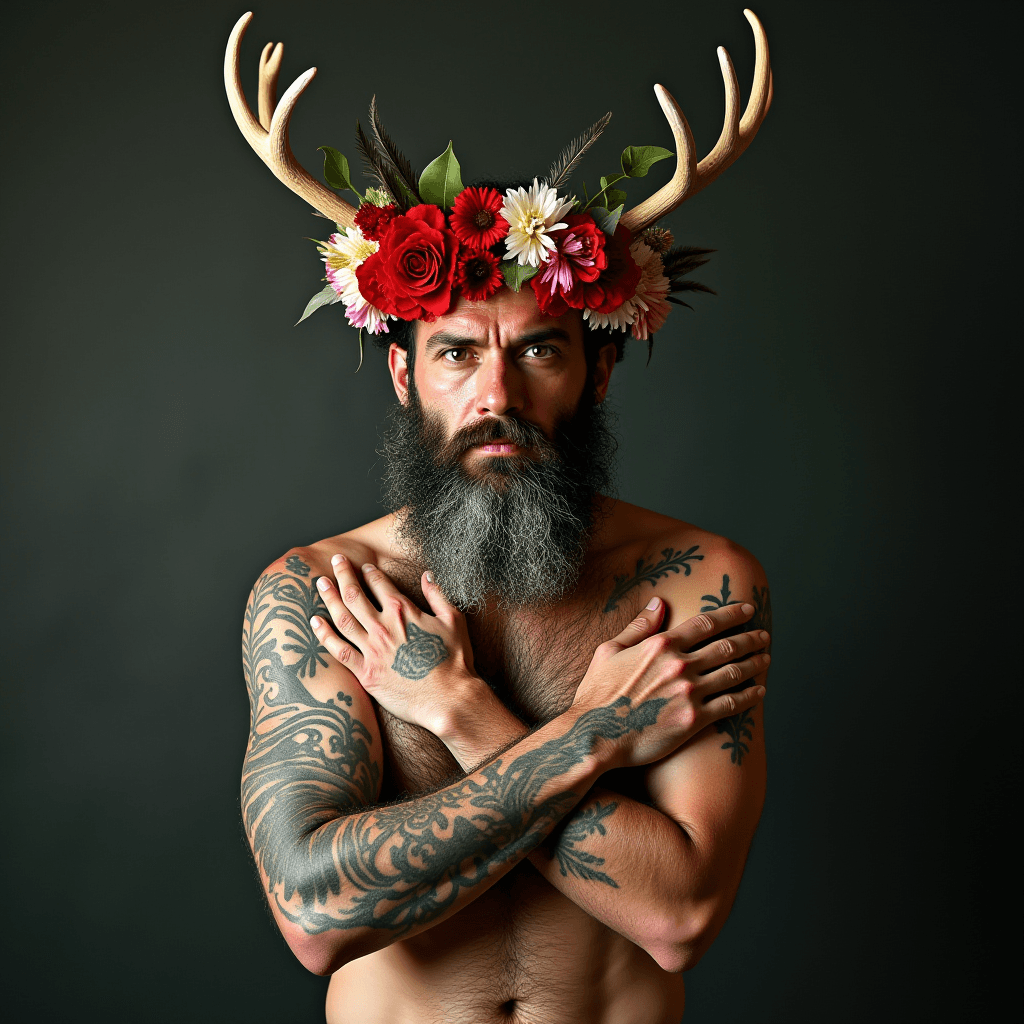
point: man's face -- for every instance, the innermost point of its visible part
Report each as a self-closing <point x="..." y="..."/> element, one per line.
<point x="494" y="458"/>
<point x="499" y="359"/>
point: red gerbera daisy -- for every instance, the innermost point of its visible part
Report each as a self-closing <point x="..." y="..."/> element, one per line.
<point x="476" y="219"/>
<point x="373" y="220"/>
<point x="478" y="274"/>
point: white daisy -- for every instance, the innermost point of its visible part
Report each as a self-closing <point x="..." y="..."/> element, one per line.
<point x="651" y="309"/>
<point x="531" y="214"/>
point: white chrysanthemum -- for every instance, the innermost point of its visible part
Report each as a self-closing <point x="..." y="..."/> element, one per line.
<point x="531" y="214"/>
<point x="651" y="309"/>
<point x="342" y="254"/>
<point x="618" y="319"/>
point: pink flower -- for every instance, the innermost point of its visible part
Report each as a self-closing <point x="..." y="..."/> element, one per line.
<point x="651" y="292"/>
<point x="578" y="256"/>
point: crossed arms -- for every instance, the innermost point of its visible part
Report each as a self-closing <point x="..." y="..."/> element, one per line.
<point x="344" y="877"/>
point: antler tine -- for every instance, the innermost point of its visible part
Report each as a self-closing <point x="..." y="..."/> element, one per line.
<point x="271" y="145"/>
<point x="757" y="106"/>
<point x="737" y="132"/>
<point x="669" y="196"/>
<point x="270" y="68"/>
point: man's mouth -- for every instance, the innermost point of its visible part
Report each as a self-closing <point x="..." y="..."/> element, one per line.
<point x="499" y="448"/>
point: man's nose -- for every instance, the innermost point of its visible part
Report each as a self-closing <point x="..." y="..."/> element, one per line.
<point x="499" y="387"/>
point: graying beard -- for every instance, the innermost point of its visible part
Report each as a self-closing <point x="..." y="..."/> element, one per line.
<point x="520" y="545"/>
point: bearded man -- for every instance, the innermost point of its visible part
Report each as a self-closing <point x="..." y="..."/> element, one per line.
<point x="506" y="754"/>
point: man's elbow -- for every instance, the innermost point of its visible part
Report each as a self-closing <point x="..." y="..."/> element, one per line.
<point x="681" y="940"/>
<point x="325" y="952"/>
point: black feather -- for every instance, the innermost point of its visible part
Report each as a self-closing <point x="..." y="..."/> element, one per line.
<point x="376" y="168"/>
<point x="562" y="168"/>
<point x="684" y="260"/>
<point x="396" y="160"/>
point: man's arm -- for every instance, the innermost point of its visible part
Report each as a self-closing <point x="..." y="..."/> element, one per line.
<point x="629" y="865"/>
<point x="345" y="879"/>
<point x="663" y="874"/>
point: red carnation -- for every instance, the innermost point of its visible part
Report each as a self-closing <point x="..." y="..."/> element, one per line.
<point x="478" y="274"/>
<point x="410" y="275"/>
<point x="618" y="281"/>
<point x="373" y="220"/>
<point x="476" y="219"/>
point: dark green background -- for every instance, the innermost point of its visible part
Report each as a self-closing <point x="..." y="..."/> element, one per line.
<point x="842" y="409"/>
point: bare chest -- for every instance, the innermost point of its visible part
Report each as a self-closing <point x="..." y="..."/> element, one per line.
<point x="532" y="661"/>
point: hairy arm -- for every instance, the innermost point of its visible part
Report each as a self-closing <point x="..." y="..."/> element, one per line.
<point x="662" y="867"/>
<point x="343" y="877"/>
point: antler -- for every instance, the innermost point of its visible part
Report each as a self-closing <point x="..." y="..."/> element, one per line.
<point x="737" y="134"/>
<point x="269" y="135"/>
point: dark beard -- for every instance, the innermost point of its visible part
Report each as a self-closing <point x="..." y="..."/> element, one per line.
<point x="513" y="530"/>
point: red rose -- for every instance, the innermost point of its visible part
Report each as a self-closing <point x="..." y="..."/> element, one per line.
<point x="618" y="281"/>
<point x="410" y="275"/>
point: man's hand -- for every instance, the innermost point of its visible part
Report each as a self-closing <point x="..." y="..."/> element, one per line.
<point x="392" y="651"/>
<point x="661" y="668"/>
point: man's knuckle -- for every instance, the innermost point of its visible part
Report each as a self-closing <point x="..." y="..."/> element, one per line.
<point x="703" y="623"/>
<point x="729" y="702"/>
<point x="658" y="644"/>
<point x="393" y="604"/>
<point x="733" y="673"/>
<point x="351" y="594"/>
<point x="726" y="648"/>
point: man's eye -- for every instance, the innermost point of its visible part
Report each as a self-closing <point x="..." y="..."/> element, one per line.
<point x="456" y="355"/>
<point x="539" y="351"/>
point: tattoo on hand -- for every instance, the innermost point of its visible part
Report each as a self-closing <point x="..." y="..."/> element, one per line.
<point x="421" y="653"/>
<point x="739" y="727"/>
<point x="574" y="861"/>
<point x="671" y="561"/>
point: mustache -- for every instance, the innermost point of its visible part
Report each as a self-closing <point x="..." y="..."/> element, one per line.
<point x="519" y="432"/>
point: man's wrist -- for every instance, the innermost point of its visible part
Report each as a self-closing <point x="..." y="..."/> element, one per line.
<point x="474" y="723"/>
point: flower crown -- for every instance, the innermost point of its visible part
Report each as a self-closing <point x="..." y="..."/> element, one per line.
<point x="416" y="243"/>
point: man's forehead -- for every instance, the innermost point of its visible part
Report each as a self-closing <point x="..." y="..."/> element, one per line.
<point x="506" y="319"/>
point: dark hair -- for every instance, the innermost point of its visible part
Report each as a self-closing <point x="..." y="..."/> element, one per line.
<point x="402" y="332"/>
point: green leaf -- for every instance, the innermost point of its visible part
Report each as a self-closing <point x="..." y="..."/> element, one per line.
<point x="336" y="172"/>
<point x="606" y="220"/>
<point x="638" y="160"/>
<point x="615" y="197"/>
<point x="441" y="180"/>
<point x="324" y="298"/>
<point x="515" y="275"/>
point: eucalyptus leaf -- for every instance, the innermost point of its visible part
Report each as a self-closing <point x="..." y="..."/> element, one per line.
<point x="606" y="220"/>
<point x="515" y="275"/>
<point x="638" y="160"/>
<point x="336" y="172"/>
<point x="324" y="298"/>
<point x="441" y="180"/>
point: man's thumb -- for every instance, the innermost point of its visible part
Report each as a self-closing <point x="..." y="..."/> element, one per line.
<point x="644" y="625"/>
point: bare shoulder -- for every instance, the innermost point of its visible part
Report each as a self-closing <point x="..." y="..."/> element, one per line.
<point x="368" y="543"/>
<point x="691" y="568"/>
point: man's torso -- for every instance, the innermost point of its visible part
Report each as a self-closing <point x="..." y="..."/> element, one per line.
<point x="521" y="952"/>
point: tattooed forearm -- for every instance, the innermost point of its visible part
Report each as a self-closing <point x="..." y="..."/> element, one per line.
<point x="404" y="865"/>
<point x="579" y="863"/>
<point x="420" y="654"/>
<point x="740" y="727"/>
<point x="671" y="561"/>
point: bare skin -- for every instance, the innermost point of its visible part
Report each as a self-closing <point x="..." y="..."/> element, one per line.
<point x="581" y="893"/>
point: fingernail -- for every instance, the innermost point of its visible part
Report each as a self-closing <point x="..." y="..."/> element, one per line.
<point x="764" y="636"/>
<point x="430" y="576"/>
<point x="747" y="609"/>
<point x="760" y="691"/>
<point x="368" y="567"/>
<point x="337" y="559"/>
<point x="316" y="622"/>
<point x="767" y="658"/>
<point x="322" y="584"/>
<point x="653" y="603"/>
